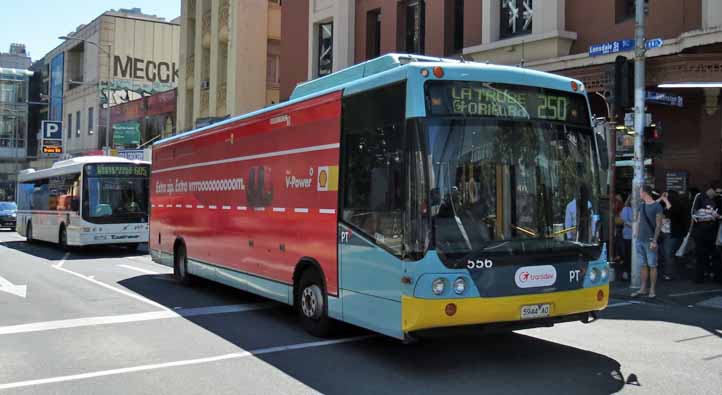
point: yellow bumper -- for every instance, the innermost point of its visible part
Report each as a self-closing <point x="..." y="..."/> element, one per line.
<point x="420" y="314"/>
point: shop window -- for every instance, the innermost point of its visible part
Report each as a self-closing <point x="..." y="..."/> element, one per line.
<point x="415" y="26"/>
<point x="325" y="49"/>
<point x="516" y="18"/>
<point x="373" y="165"/>
<point x="373" y="33"/>
<point x="623" y="10"/>
<point x="90" y="120"/>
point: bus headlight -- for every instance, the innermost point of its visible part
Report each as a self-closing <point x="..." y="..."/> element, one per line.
<point x="604" y="274"/>
<point x="459" y="285"/>
<point x="594" y="275"/>
<point x="437" y="287"/>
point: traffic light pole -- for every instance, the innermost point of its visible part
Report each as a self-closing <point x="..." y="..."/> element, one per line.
<point x="639" y="80"/>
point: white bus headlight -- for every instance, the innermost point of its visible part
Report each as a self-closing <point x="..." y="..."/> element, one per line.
<point x="605" y="273"/>
<point x="459" y="285"/>
<point x="594" y="275"/>
<point x="437" y="287"/>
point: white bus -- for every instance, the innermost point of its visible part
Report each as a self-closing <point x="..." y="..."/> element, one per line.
<point x="85" y="201"/>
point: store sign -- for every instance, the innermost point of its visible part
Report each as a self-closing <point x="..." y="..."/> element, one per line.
<point x="52" y="149"/>
<point x="132" y="154"/>
<point x="621" y="46"/>
<point x="664" y="98"/>
<point x="143" y="69"/>
<point x="677" y="181"/>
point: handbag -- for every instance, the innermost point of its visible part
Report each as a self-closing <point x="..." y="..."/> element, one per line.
<point x="688" y="242"/>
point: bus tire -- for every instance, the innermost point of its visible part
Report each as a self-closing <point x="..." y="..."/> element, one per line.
<point x="29" y="232"/>
<point x="180" y="265"/>
<point x="312" y="304"/>
<point x="63" y="239"/>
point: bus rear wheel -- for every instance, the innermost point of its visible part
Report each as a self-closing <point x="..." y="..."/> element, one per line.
<point x="312" y="305"/>
<point x="180" y="266"/>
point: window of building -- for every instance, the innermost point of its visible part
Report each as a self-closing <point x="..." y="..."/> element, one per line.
<point x="90" y="120"/>
<point x="623" y="10"/>
<point x="77" y="123"/>
<point x="458" y="25"/>
<point x="76" y="66"/>
<point x="69" y="128"/>
<point x="373" y="33"/>
<point x="516" y="18"/>
<point x="325" y="49"/>
<point x="415" y="26"/>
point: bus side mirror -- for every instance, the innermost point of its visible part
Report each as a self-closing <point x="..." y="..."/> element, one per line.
<point x="75" y="204"/>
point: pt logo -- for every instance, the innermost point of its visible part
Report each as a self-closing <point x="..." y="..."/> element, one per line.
<point x="574" y="275"/>
<point x="345" y="236"/>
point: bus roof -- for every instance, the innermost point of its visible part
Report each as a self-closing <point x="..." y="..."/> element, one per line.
<point x="72" y="165"/>
<point x="392" y="68"/>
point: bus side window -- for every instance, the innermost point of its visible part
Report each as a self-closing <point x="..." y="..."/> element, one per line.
<point x="373" y="163"/>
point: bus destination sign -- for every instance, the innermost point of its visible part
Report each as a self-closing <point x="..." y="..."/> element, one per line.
<point x="117" y="170"/>
<point x="493" y="100"/>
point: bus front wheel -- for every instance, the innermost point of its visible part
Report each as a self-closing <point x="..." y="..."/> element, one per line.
<point x="312" y="305"/>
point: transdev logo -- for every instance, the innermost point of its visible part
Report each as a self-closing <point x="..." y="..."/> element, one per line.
<point x="535" y="276"/>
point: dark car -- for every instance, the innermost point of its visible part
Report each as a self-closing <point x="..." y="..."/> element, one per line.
<point x="8" y="215"/>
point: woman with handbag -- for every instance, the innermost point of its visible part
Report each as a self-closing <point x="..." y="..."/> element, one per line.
<point x="705" y="226"/>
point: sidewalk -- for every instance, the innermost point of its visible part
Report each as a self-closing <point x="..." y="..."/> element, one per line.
<point x="680" y="292"/>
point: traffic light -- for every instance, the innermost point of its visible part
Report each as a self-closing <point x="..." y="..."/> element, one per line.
<point x="653" y="146"/>
<point x="623" y="84"/>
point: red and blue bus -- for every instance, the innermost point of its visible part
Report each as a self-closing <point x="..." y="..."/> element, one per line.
<point x="403" y="194"/>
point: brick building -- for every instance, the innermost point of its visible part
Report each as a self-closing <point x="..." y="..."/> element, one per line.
<point x="322" y="36"/>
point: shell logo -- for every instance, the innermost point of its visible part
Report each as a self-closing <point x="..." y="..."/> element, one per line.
<point x="327" y="178"/>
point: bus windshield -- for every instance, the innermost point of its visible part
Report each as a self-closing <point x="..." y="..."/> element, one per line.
<point x="511" y="186"/>
<point x="116" y="193"/>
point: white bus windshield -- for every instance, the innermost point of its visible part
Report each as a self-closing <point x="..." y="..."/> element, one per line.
<point x="116" y="193"/>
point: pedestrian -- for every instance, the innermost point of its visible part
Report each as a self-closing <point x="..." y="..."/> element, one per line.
<point x="705" y="216"/>
<point x="627" y="216"/>
<point x="674" y="227"/>
<point x="648" y="222"/>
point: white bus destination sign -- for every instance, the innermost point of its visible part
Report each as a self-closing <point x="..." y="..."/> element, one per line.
<point x="492" y="100"/>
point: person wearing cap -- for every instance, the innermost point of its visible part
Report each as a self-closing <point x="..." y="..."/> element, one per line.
<point x="705" y="216"/>
<point x="649" y="224"/>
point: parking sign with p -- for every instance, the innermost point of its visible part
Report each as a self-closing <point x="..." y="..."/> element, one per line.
<point x="52" y="130"/>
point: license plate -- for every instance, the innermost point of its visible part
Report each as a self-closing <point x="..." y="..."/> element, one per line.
<point x="535" y="311"/>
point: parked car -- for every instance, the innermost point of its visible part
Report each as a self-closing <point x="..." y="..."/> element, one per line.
<point x="8" y="215"/>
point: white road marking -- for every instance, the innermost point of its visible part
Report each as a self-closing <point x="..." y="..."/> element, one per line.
<point x="110" y="287"/>
<point x="300" y="210"/>
<point x="708" y="291"/>
<point x="137" y="269"/>
<point x="625" y="303"/>
<point x="197" y="361"/>
<point x="17" y="290"/>
<point x="137" y="317"/>
<point x="62" y="261"/>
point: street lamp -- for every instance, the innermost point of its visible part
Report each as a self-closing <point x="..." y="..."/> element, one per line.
<point x="107" y="104"/>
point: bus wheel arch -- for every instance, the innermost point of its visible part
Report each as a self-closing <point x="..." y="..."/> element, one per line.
<point x="310" y="298"/>
<point x="180" y="262"/>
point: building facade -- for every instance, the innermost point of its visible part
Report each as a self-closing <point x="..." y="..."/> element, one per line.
<point x="230" y="53"/>
<point x="118" y="57"/>
<point x="144" y="120"/>
<point x="553" y="36"/>
<point x="14" y="85"/>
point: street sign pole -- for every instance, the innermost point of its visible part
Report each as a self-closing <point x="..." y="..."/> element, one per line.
<point x="639" y="118"/>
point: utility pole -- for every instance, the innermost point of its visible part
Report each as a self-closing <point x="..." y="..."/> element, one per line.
<point x="639" y="81"/>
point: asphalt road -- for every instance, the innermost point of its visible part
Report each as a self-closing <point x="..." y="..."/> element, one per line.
<point x="108" y="321"/>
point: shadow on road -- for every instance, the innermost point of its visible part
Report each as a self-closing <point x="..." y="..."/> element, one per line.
<point x="506" y="363"/>
<point x="53" y="252"/>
